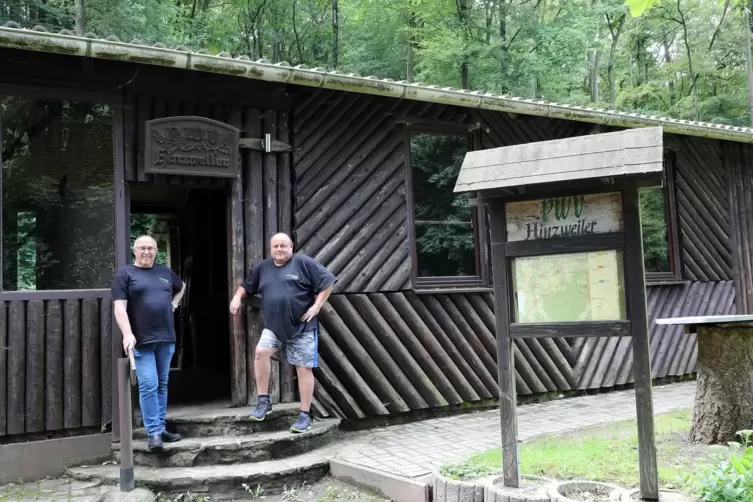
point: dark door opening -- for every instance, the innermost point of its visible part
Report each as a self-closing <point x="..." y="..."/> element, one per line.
<point x="189" y="225"/>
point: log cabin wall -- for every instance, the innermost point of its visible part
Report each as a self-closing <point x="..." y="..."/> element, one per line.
<point x="386" y="349"/>
<point x="55" y="376"/>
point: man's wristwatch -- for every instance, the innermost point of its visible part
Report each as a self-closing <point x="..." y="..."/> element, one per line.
<point x="175" y="305"/>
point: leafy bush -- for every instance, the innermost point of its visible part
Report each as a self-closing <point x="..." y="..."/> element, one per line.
<point x="732" y="479"/>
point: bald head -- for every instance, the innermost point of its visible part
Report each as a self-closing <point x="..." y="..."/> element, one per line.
<point x="144" y="251"/>
<point x="281" y="248"/>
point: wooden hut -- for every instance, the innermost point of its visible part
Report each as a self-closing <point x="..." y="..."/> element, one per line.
<point x="352" y="167"/>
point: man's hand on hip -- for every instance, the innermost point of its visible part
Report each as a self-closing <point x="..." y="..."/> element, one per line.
<point x="235" y="305"/>
<point x="129" y="342"/>
<point x="311" y="313"/>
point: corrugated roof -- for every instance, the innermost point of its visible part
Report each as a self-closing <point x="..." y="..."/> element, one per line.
<point x="91" y="45"/>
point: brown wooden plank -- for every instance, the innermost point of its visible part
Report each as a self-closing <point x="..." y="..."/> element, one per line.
<point x="368" y="398"/>
<point x="35" y="373"/>
<point x="469" y="335"/>
<point x="105" y="360"/>
<point x="444" y="340"/>
<point x="465" y="347"/>
<point x="71" y="364"/>
<point x="581" y="329"/>
<point x="396" y="352"/>
<point x="130" y="146"/>
<point x="405" y="320"/>
<point x="54" y="366"/>
<point x="565" y="245"/>
<point x="16" y="367"/>
<point x="90" y="367"/>
<point x="269" y="169"/>
<point x="361" y="358"/>
<point x="237" y="271"/>
<point x="415" y="343"/>
<point x="381" y="214"/>
<point x="253" y="205"/>
<point x="288" y="387"/>
<point x="343" y="399"/>
<point x="505" y="354"/>
<point x="4" y="349"/>
<point x="635" y="292"/>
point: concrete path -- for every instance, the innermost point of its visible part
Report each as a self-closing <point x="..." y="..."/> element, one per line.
<point x="418" y="448"/>
<point x="415" y="449"/>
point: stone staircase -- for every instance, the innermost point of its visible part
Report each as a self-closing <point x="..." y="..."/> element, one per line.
<point x="222" y="450"/>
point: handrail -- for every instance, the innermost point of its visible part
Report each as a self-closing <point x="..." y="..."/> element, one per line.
<point x="126" y="375"/>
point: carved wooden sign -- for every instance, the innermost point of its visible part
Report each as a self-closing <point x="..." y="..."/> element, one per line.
<point x="564" y="217"/>
<point x="191" y="146"/>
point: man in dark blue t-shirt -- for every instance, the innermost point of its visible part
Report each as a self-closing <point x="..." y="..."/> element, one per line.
<point x="293" y="288"/>
<point x="145" y="295"/>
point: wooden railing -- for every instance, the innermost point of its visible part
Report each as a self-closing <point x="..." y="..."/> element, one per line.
<point x="55" y="366"/>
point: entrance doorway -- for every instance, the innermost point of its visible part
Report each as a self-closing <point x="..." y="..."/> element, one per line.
<point x="190" y="225"/>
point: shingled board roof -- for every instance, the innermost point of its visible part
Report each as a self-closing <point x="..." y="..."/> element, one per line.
<point x="64" y="42"/>
<point x="614" y="154"/>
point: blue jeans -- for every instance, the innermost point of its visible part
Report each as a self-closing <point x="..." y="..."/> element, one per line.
<point x="152" y="370"/>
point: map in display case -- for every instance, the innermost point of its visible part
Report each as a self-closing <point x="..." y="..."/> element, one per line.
<point x="573" y="287"/>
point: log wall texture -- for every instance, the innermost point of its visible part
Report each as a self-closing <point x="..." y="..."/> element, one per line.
<point x="702" y="209"/>
<point x="386" y="353"/>
<point x="385" y="349"/>
<point x="738" y="167"/>
<point x="56" y="372"/>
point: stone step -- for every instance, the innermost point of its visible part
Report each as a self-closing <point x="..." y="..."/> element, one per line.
<point x="220" y="482"/>
<point x="225" y="450"/>
<point x="219" y="420"/>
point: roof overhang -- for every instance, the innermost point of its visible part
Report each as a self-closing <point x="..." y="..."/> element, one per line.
<point x="110" y="48"/>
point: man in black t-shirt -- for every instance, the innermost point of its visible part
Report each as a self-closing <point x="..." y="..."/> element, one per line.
<point x="293" y="288"/>
<point x="145" y="295"/>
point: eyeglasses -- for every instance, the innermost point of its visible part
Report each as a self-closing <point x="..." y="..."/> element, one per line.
<point x="146" y="248"/>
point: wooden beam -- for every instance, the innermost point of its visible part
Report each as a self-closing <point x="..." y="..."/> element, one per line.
<point x="574" y="329"/>
<point x="579" y="244"/>
<point x="636" y="304"/>
<point x="505" y="363"/>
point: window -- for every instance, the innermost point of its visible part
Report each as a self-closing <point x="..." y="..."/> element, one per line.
<point x="57" y="194"/>
<point x="661" y="256"/>
<point x="445" y="231"/>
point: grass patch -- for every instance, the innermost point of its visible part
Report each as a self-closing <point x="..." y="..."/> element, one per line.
<point x="605" y="453"/>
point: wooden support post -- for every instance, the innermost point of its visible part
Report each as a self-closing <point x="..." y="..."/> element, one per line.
<point x="126" y="437"/>
<point x="636" y="304"/>
<point x="505" y="362"/>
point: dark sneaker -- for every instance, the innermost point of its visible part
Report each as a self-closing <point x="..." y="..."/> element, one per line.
<point x="155" y="443"/>
<point x="302" y="424"/>
<point x="171" y="437"/>
<point x="263" y="408"/>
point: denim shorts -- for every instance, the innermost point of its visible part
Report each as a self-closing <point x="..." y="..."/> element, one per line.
<point x="300" y="351"/>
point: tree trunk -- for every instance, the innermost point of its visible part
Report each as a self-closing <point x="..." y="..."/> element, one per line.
<point x="724" y="391"/>
<point x="80" y="22"/>
<point x="671" y="84"/>
<point x="503" y="37"/>
<point x="696" y="111"/>
<point x="335" y="32"/>
<point x="612" y="54"/>
<point x="749" y="58"/>
<point x="463" y="14"/>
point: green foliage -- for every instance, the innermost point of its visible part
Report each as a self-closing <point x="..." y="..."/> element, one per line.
<point x="654" y="227"/>
<point x="730" y="480"/>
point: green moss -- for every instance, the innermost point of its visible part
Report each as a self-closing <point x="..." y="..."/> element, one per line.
<point x="41" y="45"/>
<point x="228" y="69"/>
<point x="255" y="72"/>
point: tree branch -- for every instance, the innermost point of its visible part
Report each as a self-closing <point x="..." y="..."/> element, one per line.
<point x="719" y="26"/>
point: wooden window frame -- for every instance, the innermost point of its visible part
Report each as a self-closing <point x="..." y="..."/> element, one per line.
<point x="471" y="283"/>
<point x="674" y="275"/>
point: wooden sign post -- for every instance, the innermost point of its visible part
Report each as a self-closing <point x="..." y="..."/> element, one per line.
<point x="567" y="257"/>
